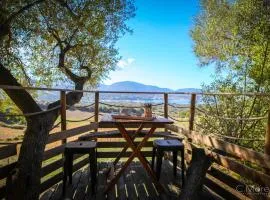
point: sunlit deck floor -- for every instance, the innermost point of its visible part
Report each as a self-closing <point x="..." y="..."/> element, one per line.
<point x="134" y="184"/>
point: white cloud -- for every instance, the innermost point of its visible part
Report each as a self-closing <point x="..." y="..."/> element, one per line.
<point x="125" y="62"/>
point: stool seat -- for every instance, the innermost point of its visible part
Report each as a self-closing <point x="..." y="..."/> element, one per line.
<point x="80" y="147"/>
<point x="83" y="147"/>
<point x="173" y="145"/>
<point x="168" y="145"/>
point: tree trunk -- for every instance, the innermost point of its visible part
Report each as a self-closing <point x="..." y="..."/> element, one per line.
<point x="195" y="174"/>
<point x="24" y="180"/>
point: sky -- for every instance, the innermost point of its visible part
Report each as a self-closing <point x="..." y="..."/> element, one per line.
<point x="159" y="52"/>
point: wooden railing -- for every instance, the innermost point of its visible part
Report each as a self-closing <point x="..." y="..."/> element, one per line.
<point x="232" y="162"/>
<point x="233" y="158"/>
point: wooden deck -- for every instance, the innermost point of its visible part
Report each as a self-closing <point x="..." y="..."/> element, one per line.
<point x="134" y="184"/>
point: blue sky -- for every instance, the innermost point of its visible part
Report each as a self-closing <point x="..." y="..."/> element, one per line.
<point x="159" y="52"/>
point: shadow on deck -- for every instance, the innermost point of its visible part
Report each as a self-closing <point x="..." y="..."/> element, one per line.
<point x="134" y="184"/>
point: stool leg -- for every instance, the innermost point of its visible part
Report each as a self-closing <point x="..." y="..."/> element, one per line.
<point x="65" y="175"/>
<point x="70" y="167"/>
<point x="93" y="169"/>
<point x="159" y="163"/>
<point x="174" y="162"/>
<point x="153" y="157"/>
<point x="183" y="166"/>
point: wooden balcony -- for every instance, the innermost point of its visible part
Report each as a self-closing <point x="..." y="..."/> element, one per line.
<point x="233" y="166"/>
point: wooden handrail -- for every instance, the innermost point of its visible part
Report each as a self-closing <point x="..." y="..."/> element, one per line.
<point x="240" y="152"/>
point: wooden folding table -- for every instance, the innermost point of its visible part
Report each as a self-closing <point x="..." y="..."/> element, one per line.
<point x="121" y="124"/>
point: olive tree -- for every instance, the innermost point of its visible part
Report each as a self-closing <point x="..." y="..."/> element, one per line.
<point x="42" y="42"/>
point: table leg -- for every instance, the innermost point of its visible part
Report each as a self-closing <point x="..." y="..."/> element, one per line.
<point x="136" y="152"/>
<point x="126" y="146"/>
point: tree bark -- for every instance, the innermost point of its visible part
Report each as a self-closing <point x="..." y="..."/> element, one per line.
<point x="24" y="180"/>
<point x="195" y="174"/>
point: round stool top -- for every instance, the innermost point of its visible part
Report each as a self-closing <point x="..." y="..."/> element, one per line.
<point x="168" y="144"/>
<point x="81" y="145"/>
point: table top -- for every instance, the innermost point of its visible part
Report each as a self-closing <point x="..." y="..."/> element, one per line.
<point x="108" y="119"/>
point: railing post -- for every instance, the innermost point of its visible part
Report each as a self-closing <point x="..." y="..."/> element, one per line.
<point x="192" y="111"/>
<point x="267" y="141"/>
<point x="165" y="107"/>
<point x="267" y="136"/>
<point x="63" y="113"/>
<point x="96" y="107"/>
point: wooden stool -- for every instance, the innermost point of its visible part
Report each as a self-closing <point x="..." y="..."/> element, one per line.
<point x="80" y="148"/>
<point x="159" y="146"/>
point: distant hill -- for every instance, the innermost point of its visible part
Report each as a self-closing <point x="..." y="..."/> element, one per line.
<point x="134" y="86"/>
<point x="195" y="90"/>
<point x="50" y="96"/>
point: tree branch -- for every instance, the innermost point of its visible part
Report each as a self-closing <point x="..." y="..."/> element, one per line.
<point x="21" y="98"/>
<point x="16" y="14"/>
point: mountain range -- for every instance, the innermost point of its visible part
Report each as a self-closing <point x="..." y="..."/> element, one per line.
<point x="139" y="87"/>
<point x="49" y="96"/>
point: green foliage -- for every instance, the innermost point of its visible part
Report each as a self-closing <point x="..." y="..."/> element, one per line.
<point x="234" y="36"/>
<point x="55" y="41"/>
<point x="225" y="115"/>
<point x="8" y="107"/>
<point x="85" y="32"/>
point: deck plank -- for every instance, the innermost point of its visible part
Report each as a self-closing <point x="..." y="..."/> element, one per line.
<point x="138" y="180"/>
<point x="129" y="184"/>
<point x="133" y="184"/>
<point x="121" y="192"/>
<point x="82" y="187"/>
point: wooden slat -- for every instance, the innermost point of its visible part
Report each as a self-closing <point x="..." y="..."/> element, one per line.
<point x="241" y="152"/>
<point x="103" y="125"/>
<point x="104" y="134"/>
<point x="126" y="154"/>
<point x="50" y="182"/>
<point x="7" y="151"/>
<point x="116" y="134"/>
<point x="58" y="177"/>
<point x="56" y="165"/>
<point x="3" y="192"/>
<point x="220" y="188"/>
<point x="53" y="152"/>
<point x="4" y="171"/>
<point x="242" y="170"/>
<point x="225" y="178"/>
<point x="71" y="132"/>
<point x="233" y="183"/>
<point x="52" y="167"/>
<point x="119" y="144"/>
